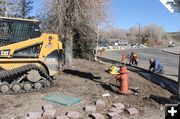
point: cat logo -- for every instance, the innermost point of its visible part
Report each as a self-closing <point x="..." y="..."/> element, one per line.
<point x="4" y="52"/>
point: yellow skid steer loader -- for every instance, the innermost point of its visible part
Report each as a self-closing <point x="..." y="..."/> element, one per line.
<point x="28" y="58"/>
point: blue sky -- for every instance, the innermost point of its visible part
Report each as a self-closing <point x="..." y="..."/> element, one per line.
<point x="127" y="13"/>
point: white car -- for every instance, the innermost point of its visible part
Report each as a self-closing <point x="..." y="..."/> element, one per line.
<point x="171" y="44"/>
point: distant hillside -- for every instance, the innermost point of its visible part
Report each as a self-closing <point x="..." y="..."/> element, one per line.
<point x="175" y="36"/>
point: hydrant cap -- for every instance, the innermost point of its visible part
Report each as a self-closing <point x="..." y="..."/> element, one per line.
<point x="123" y="69"/>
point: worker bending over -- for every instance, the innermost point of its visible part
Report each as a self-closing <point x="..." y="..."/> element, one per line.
<point x="156" y="66"/>
<point x="133" y="59"/>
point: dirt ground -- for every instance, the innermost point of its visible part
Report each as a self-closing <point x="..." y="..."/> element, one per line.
<point x="88" y="81"/>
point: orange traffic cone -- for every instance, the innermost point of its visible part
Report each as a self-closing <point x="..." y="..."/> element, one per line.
<point x="123" y="56"/>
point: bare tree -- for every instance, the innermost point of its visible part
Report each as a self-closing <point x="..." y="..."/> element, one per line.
<point x="2" y="8"/>
<point x="72" y="17"/>
<point x="24" y="8"/>
<point x="115" y="33"/>
<point x="150" y="32"/>
<point x="133" y="33"/>
<point x="153" y="31"/>
<point x="8" y="7"/>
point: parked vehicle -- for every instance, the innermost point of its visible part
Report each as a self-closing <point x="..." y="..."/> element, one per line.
<point x="171" y="44"/>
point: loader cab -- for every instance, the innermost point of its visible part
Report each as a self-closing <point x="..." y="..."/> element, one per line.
<point x="13" y="30"/>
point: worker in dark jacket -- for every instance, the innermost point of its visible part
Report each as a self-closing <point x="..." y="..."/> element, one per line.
<point x="156" y="66"/>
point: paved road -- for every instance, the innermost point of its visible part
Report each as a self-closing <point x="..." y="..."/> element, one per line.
<point x="170" y="61"/>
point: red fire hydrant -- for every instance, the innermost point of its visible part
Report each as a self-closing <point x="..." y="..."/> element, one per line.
<point x="123" y="80"/>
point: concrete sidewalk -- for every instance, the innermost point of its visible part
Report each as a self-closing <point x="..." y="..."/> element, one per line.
<point x="172" y="50"/>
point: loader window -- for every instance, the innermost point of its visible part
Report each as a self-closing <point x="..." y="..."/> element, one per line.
<point x="4" y="30"/>
<point x="12" y="31"/>
<point x="29" y="52"/>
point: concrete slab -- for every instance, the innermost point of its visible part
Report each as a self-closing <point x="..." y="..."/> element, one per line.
<point x="90" y="109"/>
<point x="62" y="117"/>
<point x="100" y="104"/>
<point x="133" y="111"/>
<point x="73" y="114"/>
<point x="113" y="114"/>
<point x="33" y="115"/>
<point x="115" y="110"/>
<point x="118" y="105"/>
<point x="46" y="117"/>
<point x="48" y="106"/>
<point x="97" y="116"/>
<point x="49" y="112"/>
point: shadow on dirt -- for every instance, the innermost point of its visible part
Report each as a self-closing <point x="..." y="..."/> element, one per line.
<point x="160" y="99"/>
<point x="109" y="87"/>
<point x="86" y="75"/>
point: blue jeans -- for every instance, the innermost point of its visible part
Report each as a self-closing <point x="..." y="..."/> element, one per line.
<point x="159" y="70"/>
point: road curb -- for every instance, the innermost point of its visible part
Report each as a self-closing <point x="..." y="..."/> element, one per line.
<point x="169" y="52"/>
<point x="109" y="50"/>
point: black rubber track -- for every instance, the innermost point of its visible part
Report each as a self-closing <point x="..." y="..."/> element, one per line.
<point x="18" y="72"/>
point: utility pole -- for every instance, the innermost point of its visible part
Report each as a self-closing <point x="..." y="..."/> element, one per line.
<point x="139" y="33"/>
<point x="97" y="39"/>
